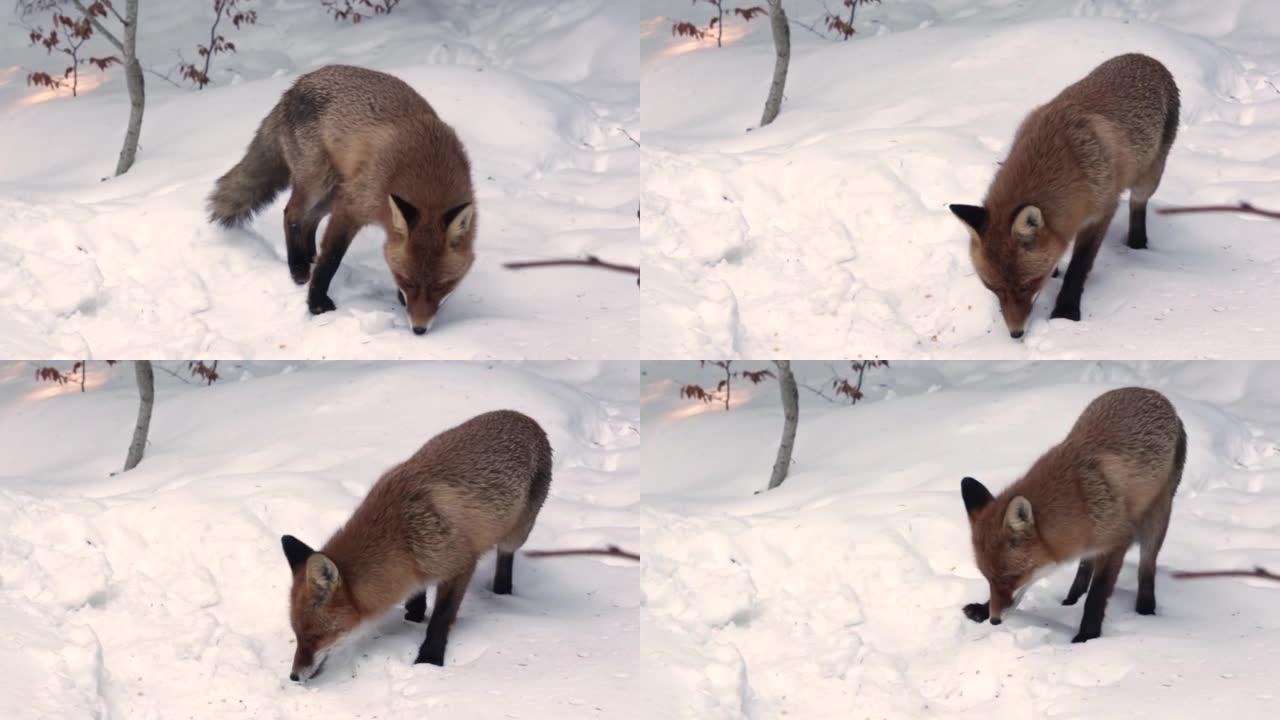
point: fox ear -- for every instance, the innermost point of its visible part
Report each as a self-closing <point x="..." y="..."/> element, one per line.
<point x="1027" y="224"/>
<point x="972" y="215"/>
<point x="1017" y="517"/>
<point x="458" y="222"/>
<point x="322" y="577"/>
<point x="295" y="551"/>
<point x="403" y="216"/>
<point x="976" y="496"/>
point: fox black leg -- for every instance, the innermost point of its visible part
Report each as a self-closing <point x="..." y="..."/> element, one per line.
<point x="1138" y="225"/>
<point x="448" y="600"/>
<point x="977" y="612"/>
<point x="1088" y="240"/>
<point x="337" y="238"/>
<point x="1081" y="583"/>
<point x="1105" y="571"/>
<point x="502" y="576"/>
<point x="416" y="609"/>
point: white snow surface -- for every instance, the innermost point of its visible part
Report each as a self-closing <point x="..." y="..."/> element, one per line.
<point x="163" y="592"/>
<point x="543" y="94"/>
<point x="827" y="233"/>
<point x="839" y="594"/>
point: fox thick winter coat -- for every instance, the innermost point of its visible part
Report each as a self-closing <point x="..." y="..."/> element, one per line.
<point x="364" y="148"/>
<point x="469" y="489"/>
<point x="1070" y="161"/>
<point x="1109" y="483"/>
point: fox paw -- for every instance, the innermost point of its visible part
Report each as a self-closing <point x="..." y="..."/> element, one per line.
<point x="301" y="274"/>
<point x="1085" y="635"/>
<point x="429" y="657"/>
<point x="1145" y="606"/>
<point x="1070" y="312"/>
<point x="977" y="612"/>
<point x="321" y="305"/>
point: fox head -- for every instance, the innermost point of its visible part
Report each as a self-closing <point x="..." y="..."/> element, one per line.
<point x="1014" y="256"/>
<point x="429" y="254"/>
<point x="1006" y="545"/>
<point x="320" y="608"/>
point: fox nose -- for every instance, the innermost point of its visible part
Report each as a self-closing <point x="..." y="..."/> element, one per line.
<point x="293" y="677"/>
<point x="996" y="621"/>
<point x="419" y="330"/>
<point x="1016" y="334"/>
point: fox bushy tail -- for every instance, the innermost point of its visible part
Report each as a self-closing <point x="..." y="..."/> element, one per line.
<point x="254" y="181"/>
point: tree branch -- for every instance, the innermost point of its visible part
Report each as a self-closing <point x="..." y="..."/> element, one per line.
<point x="1243" y="207"/>
<point x="1257" y="572"/>
<point x="590" y="261"/>
<point x="611" y="551"/>
<point x="99" y="26"/>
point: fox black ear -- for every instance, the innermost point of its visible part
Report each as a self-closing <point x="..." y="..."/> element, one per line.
<point x="407" y="211"/>
<point x="295" y="551"/>
<point x="974" y="216"/>
<point x="976" y="496"/>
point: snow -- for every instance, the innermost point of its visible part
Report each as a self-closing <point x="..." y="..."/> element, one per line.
<point x="839" y="594"/>
<point x="829" y="229"/>
<point x="544" y="99"/>
<point x="163" y="592"/>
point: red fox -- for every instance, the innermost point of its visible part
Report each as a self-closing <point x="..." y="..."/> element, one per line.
<point x="1070" y="160"/>
<point x="428" y="519"/>
<point x="1111" y="481"/>
<point x="364" y="148"/>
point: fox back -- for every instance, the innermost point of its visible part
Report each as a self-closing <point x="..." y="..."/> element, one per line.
<point x="1070" y="160"/>
<point x="1085" y="497"/>
<point x="469" y="489"/>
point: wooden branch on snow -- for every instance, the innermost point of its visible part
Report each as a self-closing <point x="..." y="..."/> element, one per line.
<point x="611" y="551"/>
<point x="589" y="261"/>
<point x="1243" y="207"/>
<point x="1257" y="572"/>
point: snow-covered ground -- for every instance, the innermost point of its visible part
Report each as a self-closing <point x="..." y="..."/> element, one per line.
<point x="839" y="594"/>
<point x="163" y="592"/>
<point x="543" y="94"/>
<point x="827" y="232"/>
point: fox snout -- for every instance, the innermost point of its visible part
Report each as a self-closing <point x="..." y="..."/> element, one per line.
<point x="420" y="310"/>
<point x="1015" y="311"/>
<point x="306" y="665"/>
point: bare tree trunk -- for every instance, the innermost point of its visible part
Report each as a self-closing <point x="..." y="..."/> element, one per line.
<point x="782" y="44"/>
<point x="147" y="399"/>
<point x="137" y="88"/>
<point x="791" y="418"/>
<point x="728" y="385"/>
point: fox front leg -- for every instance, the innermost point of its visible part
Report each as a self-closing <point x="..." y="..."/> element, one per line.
<point x="978" y="612"/>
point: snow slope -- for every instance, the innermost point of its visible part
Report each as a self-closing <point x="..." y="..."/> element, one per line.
<point x="163" y="592"/>
<point x="839" y="594"/>
<point x="827" y="233"/>
<point x="543" y="95"/>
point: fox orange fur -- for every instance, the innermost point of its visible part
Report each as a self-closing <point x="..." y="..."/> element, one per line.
<point x="364" y="148"/>
<point x="471" y="488"/>
<point x="1070" y="161"/>
<point x="1109" y="483"/>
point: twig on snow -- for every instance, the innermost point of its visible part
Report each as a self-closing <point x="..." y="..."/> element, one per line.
<point x="1257" y="572"/>
<point x="589" y="261"/>
<point x="611" y="551"/>
<point x="1243" y="207"/>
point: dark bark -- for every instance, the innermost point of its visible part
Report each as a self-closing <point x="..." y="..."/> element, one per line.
<point x="782" y="45"/>
<point x="146" y="400"/>
<point x="791" y="419"/>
